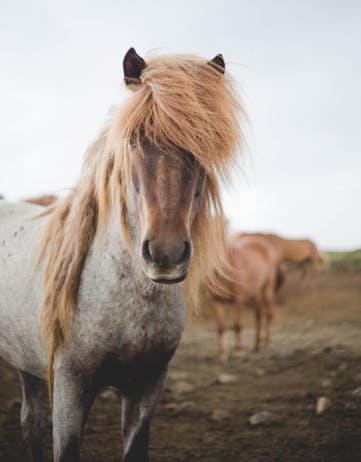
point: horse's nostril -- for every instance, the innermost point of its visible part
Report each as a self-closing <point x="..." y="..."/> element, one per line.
<point x="187" y="251"/>
<point x="146" y="251"/>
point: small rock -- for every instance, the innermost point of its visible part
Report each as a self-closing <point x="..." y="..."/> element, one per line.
<point x="260" y="372"/>
<point x="226" y="378"/>
<point x="188" y="405"/>
<point x="178" y="375"/>
<point x="322" y="404"/>
<point x="220" y="414"/>
<point x="327" y="349"/>
<point x="182" y="387"/>
<point x="173" y="407"/>
<point x="326" y="383"/>
<point x="109" y="394"/>
<point x="304" y="423"/>
<point x="181" y="406"/>
<point x="356" y="392"/>
<point x="260" y="417"/>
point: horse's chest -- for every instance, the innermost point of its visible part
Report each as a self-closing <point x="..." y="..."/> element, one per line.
<point x="129" y="331"/>
<point x="150" y="335"/>
<point x="142" y="347"/>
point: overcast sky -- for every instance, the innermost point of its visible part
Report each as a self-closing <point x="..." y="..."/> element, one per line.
<point x="298" y="64"/>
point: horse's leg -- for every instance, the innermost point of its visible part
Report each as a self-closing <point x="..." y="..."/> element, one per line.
<point x="269" y="311"/>
<point x="303" y="269"/>
<point x="71" y="404"/>
<point x="313" y="269"/>
<point x="237" y="326"/>
<point x="33" y="413"/>
<point x="220" y="320"/>
<point x="137" y="410"/>
<point x="257" y="306"/>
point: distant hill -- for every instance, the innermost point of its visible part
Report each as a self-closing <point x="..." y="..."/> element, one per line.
<point x="345" y="260"/>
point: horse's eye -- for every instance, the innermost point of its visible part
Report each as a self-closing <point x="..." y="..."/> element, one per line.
<point x="197" y="195"/>
<point x="132" y="146"/>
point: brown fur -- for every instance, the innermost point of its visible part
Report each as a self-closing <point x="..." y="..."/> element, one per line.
<point x="301" y="252"/>
<point x="253" y="267"/>
<point x="181" y="102"/>
<point x="44" y="201"/>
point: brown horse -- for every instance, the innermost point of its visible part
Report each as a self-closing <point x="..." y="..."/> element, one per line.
<point x="252" y="272"/>
<point x="44" y="201"/>
<point x="301" y="252"/>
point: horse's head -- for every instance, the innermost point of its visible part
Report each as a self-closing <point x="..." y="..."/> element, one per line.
<point x="167" y="184"/>
<point x="167" y="190"/>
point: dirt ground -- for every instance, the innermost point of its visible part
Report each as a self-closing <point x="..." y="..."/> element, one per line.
<point x="204" y="414"/>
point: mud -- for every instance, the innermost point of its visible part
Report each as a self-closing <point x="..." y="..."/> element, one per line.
<point x="204" y="414"/>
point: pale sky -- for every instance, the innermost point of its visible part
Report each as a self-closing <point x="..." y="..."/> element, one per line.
<point x="298" y="64"/>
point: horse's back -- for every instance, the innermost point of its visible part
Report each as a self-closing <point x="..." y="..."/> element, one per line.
<point x="16" y="210"/>
<point x="20" y="296"/>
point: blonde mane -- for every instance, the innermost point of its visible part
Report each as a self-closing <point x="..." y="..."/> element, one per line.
<point x="182" y="101"/>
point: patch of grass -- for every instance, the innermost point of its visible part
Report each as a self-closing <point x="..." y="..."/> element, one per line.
<point x="343" y="260"/>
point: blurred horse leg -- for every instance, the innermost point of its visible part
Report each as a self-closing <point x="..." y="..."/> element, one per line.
<point x="304" y="269"/>
<point x="220" y="320"/>
<point x="33" y="413"/>
<point x="237" y="326"/>
<point x="257" y="306"/>
<point x="280" y="279"/>
<point x="269" y="312"/>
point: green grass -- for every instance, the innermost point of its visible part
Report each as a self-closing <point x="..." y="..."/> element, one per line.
<point x="345" y="259"/>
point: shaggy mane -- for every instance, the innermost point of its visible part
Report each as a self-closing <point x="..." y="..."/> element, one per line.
<point x="182" y="101"/>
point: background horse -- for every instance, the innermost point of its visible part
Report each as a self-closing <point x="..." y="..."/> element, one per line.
<point x="301" y="252"/>
<point x="252" y="277"/>
<point x="109" y="304"/>
<point x="44" y="201"/>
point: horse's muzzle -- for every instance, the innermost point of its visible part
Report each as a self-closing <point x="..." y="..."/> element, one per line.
<point x="166" y="262"/>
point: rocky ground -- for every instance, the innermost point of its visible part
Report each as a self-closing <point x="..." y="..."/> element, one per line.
<point x="299" y="400"/>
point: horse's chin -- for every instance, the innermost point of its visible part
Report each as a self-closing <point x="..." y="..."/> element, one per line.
<point x="161" y="276"/>
<point x="163" y="280"/>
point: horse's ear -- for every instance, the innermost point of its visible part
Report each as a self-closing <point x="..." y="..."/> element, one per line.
<point x="133" y="66"/>
<point x="218" y="63"/>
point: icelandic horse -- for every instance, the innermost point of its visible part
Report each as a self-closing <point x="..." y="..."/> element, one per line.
<point x="91" y="288"/>
<point x="252" y="272"/>
<point x="301" y="252"/>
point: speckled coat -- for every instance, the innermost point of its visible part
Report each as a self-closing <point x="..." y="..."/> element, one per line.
<point x="123" y="332"/>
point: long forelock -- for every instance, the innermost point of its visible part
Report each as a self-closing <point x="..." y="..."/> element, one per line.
<point x="184" y="102"/>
